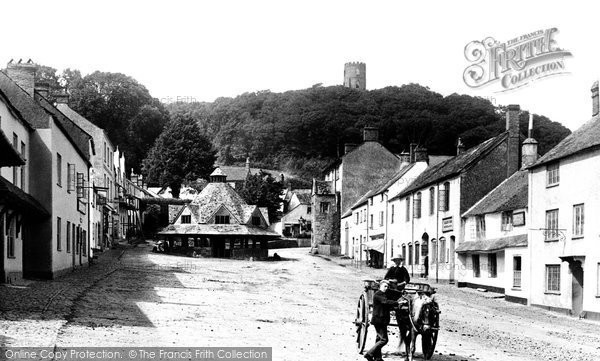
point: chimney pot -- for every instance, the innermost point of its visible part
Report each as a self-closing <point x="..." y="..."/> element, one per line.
<point x="43" y="89"/>
<point x="460" y="147"/>
<point x="62" y="97"/>
<point x="23" y="74"/>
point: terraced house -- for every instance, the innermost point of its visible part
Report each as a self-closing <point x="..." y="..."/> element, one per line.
<point x="430" y="224"/>
<point x="564" y="203"/>
<point x="57" y="176"/>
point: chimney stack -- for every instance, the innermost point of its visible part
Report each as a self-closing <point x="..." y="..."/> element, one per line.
<point x="512" y="127"/>
<point x="62" y="97"/>
<point x="412" y="147"/>
<point x="247" y="164"/>
<point x="595" y="102"/>
<point x="405" y="158"/>
<point x="348" y="147"/>
<point x="460" y="147"/>
<point x="530" y="147"/>
<point x="421" y="155"/>
<point x="23" y="74"/>
<point x="43" y="89"/>
<point x="371" y="134"/>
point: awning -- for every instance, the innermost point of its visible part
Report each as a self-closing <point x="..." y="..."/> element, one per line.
<point x="492" y="245"/>
<point x="9" y="157"/>
<point x="375" y="245"/>
<point x="17" y="199"/>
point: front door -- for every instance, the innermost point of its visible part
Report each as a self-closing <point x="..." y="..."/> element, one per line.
<point x="451" y="256"/>
<point x="577" y="287"/>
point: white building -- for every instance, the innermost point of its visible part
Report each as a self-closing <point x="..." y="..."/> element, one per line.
<point x="429" y="226"/>
<point x="494" y="249"/>
<point x="565" y="250"/>
<point x="59" y="155"/>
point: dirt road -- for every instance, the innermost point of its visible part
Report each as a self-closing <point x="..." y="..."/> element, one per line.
<point x="302" y="306"/>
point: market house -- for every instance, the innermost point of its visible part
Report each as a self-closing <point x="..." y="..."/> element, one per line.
<point x="219" y="223"/>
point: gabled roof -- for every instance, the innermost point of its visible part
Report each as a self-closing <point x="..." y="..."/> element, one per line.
<point x="29" y="109"/>
<point x="37" y="114"/>
<point x="587" y="137"/>
<point x="80" y="120"/>
<point x="452" y="166"/>
<point x="304" y="195"/>
<point x="77" y="136"/>
<point x="395" y="178"/>
<point x="509" y="195"/>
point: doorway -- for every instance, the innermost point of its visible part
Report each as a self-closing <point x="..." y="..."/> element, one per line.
<point x="576" y="287"/>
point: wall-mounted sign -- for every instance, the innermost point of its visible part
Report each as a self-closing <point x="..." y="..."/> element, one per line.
<point x="447" y="224"/>
<point x="519" y="219"/>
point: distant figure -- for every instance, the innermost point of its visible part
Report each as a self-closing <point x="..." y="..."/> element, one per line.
<point x="276" y="257"/>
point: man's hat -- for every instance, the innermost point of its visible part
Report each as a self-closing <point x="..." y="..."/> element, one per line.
<point x="399" y="258"/>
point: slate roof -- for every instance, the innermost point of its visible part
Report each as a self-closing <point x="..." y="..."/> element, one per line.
<point x="218" y="229"/>
<point x="491" y="245"/>
<point x="395" y="178"/>
<point x="304" y="195"/>
<point x="77" y="136"/>
<point x="587" y="137"/>
<point x="29" y="109"/>
<point x="37" y="114"/>
<point x="17" y="198"/>
<point x="452" y="166"/>
<point x="509" y="195"/>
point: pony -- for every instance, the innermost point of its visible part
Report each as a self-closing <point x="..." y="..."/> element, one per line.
<point x="419" y="316"/>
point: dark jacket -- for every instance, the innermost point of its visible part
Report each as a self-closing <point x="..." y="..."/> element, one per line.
<point x="398" y="273"/>
<point x="381" y="309"/>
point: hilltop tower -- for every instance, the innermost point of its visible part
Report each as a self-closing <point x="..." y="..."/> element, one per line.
<point x="355" y="75"/>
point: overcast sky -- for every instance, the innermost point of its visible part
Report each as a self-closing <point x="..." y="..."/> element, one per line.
<point x="204" y="50"/>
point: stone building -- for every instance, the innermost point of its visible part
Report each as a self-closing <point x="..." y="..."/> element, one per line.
<point x="355" y="75"/>
<point x="349" y="178"/>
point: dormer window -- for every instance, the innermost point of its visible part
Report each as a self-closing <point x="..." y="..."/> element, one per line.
<point x="255" y="221"/>
<point x="221" y="219"/>
<point x="186" y="219"/>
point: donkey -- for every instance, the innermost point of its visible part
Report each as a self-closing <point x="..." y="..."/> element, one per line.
<point x="419" y="320"/>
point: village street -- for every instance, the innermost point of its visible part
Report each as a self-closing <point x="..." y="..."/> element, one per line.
<point x="302" y="306"/>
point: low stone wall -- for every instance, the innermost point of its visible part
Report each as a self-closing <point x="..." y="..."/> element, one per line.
<point x="328" y="250"/>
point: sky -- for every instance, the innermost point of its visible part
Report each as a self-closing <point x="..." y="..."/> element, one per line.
<point x="202" y="50"/>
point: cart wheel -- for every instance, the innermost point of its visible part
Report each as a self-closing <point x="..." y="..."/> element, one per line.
<point x="362" y="324"/>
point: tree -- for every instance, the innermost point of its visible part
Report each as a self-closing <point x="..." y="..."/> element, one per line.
<point x="180" y="154"/>
<point x="121" y="106"/>
<point x="263" y="190"/>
